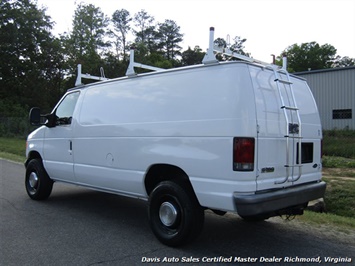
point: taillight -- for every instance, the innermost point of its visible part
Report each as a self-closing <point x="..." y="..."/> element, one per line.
<point x="243" y="154"/>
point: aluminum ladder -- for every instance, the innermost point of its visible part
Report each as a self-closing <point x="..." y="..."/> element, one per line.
<point x="293" y="125"/>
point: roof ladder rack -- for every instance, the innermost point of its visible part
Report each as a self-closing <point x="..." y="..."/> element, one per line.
<point x="88" y="76"/>
<point x="210" y="57"/>
<point x="130" y="70"/>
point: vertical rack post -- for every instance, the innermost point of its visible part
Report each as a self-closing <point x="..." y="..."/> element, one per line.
<point x="209" y="56"/>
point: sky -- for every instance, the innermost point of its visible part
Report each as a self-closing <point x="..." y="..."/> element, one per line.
<point x="269" y="26"/>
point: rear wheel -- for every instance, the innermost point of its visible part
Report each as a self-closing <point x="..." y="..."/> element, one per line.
<point x="175" y="216"/>
<point x="38" y="184"/>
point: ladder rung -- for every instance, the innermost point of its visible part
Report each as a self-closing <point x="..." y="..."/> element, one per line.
<point x="289" y="108"/>
<point x="284" y="81"/>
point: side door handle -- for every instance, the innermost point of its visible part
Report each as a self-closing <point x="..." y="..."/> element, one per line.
<point x="70" y="147"/>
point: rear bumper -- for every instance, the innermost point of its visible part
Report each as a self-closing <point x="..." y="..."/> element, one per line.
<point x="273" y="201"/>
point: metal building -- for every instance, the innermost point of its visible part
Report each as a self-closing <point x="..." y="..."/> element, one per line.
<point x="334" y="92"/>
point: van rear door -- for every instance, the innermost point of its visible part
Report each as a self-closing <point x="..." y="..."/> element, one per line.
<point x="286" y="122"/>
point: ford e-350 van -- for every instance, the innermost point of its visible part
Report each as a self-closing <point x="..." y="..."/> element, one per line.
<point x="236" y="136"/>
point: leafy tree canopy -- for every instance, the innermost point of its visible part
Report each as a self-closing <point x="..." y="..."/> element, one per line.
<point x="344" y="61"/>
<point x="30" y="65"/>
<point x="86" y="42"/>
<point x="121" y="21"/>
<point x="192" y="57"/>
<point x="36" y="68"/>
<point x="309" y="56"/>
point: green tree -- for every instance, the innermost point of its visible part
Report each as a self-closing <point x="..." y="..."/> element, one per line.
<point x="192" y="57"/>
<point x="170" y="37"/>
<point x="121" y="20"/>
<point x="113" y="66"/>
<point x="309" y="56"/>
<point x="220" y="42"/>
<point x="30" y="65"/>
<point x="86" y="43"/>
<point x="344" y="61"/>
<point x="146" y="32"/>
<point x="238" y="46"/>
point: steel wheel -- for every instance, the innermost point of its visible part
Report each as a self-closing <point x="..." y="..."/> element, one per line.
<point x="38" y="184"/>
<point x="33" y="183"/>
<point x="175" y="216"/>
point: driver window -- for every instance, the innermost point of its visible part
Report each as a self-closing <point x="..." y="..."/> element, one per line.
<point x="65" y="109"/>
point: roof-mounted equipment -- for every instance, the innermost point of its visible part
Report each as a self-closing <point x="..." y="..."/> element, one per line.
<point x="130" y="70"/>
<point x="88" y="76"/>
<point x="214" y="49"/>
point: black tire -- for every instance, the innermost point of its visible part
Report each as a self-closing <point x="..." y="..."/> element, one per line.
<point x="38" y="184"/>
<point x="175" y="215"/>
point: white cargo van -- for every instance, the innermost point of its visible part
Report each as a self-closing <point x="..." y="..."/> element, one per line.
<point x="238" y="136"/>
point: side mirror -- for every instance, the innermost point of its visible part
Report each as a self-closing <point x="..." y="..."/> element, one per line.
<point x="36" y="119"/>
<point x="35" y="116"/>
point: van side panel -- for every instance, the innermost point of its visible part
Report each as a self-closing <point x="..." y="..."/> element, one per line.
<point x="184" y="118"/>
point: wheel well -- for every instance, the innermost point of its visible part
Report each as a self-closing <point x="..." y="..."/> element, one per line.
<point x="163" y="172"/>
<point x="32" y="155"/>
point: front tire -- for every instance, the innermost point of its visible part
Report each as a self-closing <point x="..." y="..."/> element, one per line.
<point x="38" y="184"/>
<point x="175" y="215"/>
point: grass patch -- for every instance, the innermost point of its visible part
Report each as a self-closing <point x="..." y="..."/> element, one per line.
<point x="329" y="220"/>
<point x="339" y="172"/>
<point x="339" y="143"/>
<point x="13" y="149"/>
<point x="340" y="196"/>
<point x="12" y="157"/>
<point x="337" y="162"/>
